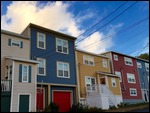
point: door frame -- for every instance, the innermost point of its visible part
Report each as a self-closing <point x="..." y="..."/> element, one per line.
<point x="43" y="96"/>
<point x="29" y="100"/>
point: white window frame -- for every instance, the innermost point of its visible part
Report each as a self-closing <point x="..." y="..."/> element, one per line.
<point x="126" y="59"/>
<point x="133" y="89"/>
<point x="15" y="42"/>
<point x="104" y="63"/>
<point x="118" y="73"/>
<point x="139" y="65"/>
<point x="23" y="73"/>
<point x="88" y="59"/>
<point x="147" y="66"/>
<point x="44" y="66"/>
<point x="129" y="76"/>
<point x="63" y="70"/>
<point x="113" y="80"/>
<point x="115" y="57"/>
<point x="91" y="90"/>
<point x="66" y="41"/>
<point x="38" y="33"/>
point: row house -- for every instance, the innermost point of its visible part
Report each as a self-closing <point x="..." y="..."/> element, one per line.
<point x="97" y="85"/>
<point x="18" y="74"/>
<point x="143" y="72"/>
<point x="56" y="77"/>
<point x="126" y="68"/>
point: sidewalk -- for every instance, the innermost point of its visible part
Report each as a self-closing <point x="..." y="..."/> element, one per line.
<point x="129" y="108"/>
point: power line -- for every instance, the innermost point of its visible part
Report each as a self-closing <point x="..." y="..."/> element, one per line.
<point x="96" y="30"/>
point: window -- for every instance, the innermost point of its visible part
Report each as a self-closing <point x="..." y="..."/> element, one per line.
<point x="147" y="66"/>
<point x="119" y="74"/>
<point x="139" y="65"/>
<point x="133" y="92"/>
<point x="63" y="70"/>
<point x="12" y="42"/>
<point x="41" y="66"/>
<point x="113" y="81"/>
<point x="61" y="46"/>
<point x="88" y="60"/>
<point x="128" y="61"/>
<point x="24" y="73"/>
<point x="41" y="40"/>
<point x="90" y="83"/>
<point x="104" y="63"/>
<point x="116" y="57"/>
<point x="131" y="78"/>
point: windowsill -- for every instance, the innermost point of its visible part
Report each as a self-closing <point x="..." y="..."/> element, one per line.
<point x="62" y="53"/>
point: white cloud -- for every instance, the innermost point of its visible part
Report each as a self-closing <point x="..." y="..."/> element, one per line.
<point x="96" y="42"/>
<point x="53" y="15"/>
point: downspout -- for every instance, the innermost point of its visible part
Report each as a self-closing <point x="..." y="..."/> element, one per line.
<point x="124" y="88"/>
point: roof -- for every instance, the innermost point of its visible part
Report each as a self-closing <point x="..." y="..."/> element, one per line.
<point x="49" y="30"/>
<point x="22" y="60"/>
<point x="106" y="73"/>
<point x="14" y="34"/>
<point x="124" y="55"/>
<point x="91" y="53"/>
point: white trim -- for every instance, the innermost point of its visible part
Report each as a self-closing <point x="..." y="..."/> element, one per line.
<point x="63" y="70"/>
<point x="12" y="89"/>
<point x="15" y="42"/>
<point x="27" y="73"/>
<point x="113" y="80"/>
<point x="105" y="64"/>
<point x="139" y="65"/>
<point x="133" y="75"/>
<point x="129" y="60"/>
<point x="29" y="100"/>
<point x="119" y="75"/>
<point x="115" y="57"/>
<point x="38" y="58"/>
<point x="35" y="74"/>
<point x="86" y="57"/>
<point x="37" y="38"/>
<point x="62" y="46"/>
<point x="147" y="66"/>
<point x="135" y="91"/>
<point x="85" y="77"/>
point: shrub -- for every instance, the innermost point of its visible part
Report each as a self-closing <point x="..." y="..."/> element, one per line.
<point x="52" y="107"/>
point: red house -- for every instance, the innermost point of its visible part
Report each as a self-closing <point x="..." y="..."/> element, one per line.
<point x="126" y="67"/>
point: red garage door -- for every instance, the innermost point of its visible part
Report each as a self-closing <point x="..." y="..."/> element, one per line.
<point x="63" y="100"/>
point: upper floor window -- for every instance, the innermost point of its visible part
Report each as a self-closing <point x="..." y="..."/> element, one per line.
<point x="139" y="65"/>
<point x="104" y="63"/>
<point x="90" y="83"/>
<point x="116" y="57"/>
<point x="113" y="81"/>
<point x="17" y="43"/>
<point x="41" y="41"/>
<point x="133" y="92"/>
<point x="61" y="46"/>
<point x="119" y="74"/>
<point x="147" y="66"/>
<point x="89" y="60"/>
<point x="41" y="66"/>
<point x="131" y="78"/>
<point x="24" y="73"/>
<point x="128" y="61"/>
<point x="63" y="70"/>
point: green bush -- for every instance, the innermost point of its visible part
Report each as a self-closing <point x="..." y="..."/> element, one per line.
<point x="52" y="107"/>
<point x="77" y="108"/>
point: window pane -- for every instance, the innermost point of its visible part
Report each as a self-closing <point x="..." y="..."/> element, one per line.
<point x="64" y="49"/>
<point x="60" y="72"/>
<point x="93" y="81"/>
<point x="41" y="70"/>
<point x="88" y="80"/>
<point x="41" y="44"/>
<point x="59" y="48"/>
<point x="66" y="67"/>
<point x="41" y="63"/>
<point x="60" y="66"/>
<point x="24" y="77"/>
<point x="64" y="43"/>
<point x="65" y="73"/>
<point x="59" y="42"/>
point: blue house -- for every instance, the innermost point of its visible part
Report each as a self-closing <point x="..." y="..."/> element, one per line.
<point x="143" y="72"/>
<point x="56" y="79"/>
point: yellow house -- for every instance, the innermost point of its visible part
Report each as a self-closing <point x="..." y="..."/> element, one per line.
<point x="97" y="86"/>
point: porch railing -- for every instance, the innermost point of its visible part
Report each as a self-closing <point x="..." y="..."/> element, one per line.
<point x="6" y="85"/>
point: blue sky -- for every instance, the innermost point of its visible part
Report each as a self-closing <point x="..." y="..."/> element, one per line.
<point x="74" y="18"/>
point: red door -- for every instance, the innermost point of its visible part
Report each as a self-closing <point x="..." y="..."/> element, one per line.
<point x="63" y="100"/>
<point x="40" y="99"/>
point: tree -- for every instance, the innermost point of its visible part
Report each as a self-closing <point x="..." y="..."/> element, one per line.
<point x="144" y="56"/>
